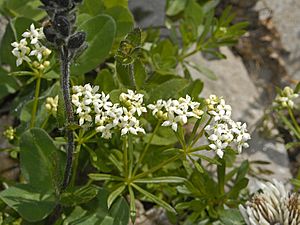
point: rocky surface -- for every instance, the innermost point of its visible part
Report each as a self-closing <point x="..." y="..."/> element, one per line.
<point x="236" y="86"/>
<point x="286" y="17"/>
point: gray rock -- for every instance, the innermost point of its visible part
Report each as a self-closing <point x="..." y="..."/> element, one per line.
<point x="235" y="85"/>
<point x="286" y="17"/>
<point x="148" y="13"/>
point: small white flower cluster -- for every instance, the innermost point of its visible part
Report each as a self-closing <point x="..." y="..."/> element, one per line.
<point x="52" y="104"/>
<point x="92" y="106"/>
<point x="31" y="46"/>
<point x="224" y="132"/>
<point x="173" y="112"/>
<point x="285" y="98"/>
<point x="272" y="205"/>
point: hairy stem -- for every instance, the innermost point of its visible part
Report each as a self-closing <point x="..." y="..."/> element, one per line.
<point x="65" y="84"/>
<point x="36" y="101"/>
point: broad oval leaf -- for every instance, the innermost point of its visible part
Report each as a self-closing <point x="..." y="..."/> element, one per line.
<point x="41" y="161"/>
<point x="29" y="202"/>
<point x="100" y="32"/>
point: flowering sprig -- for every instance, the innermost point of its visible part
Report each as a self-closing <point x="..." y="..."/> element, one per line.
<point x="274" y="204"/>
<point x="173" y="112"/>
<point x="224" y="132"/>
<point x="285" y="98"/>
<point x="30" y="48"/>
<point x="94" y="107"/>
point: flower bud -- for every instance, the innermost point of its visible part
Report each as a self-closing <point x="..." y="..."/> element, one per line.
<point x="35" y="64"/>
<point x="62" y="25"/>
<point x="76" y="40"/>
<point x="46" y="63"/>
<point x="49" y="33"/>
<point x="47" y="52"/>
<point x="63" y="3"/>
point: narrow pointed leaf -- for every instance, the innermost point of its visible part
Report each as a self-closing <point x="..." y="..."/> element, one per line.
<point x="167" y="179"/>
<point x="155" y="199"/>
<point x="113" y="196"/>
<point x="132" y="205"/>
<point x="101" y="176"/>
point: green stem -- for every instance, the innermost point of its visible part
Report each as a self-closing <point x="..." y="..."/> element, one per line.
<point x="221" y="169"/>
<point x="75" y="166"/>
<point x="90" y="136"/>
<point x="130" y="156"/>
<point x="200" y="133"/>
<point x="125" y="157"/>
<point x="294" y="119"/>
<point x="146" y="149"/>
<point x="36" y="101"/>
<point x="45" y="121"/>
<point x="159" y="166"/>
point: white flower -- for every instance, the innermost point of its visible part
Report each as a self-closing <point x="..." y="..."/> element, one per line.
<point x="173" y="112"/>
<point x="39" y="51"/>
<point x="224" y="132"/>
<point x="52" y="104"/>
<point x="218" y="108"/>
<point x="133" y="101"/>
<point x="21" y="51"/>
<point x="273" y="205"/>
<point x="34" y="34"/>
<point x="92" y="106"/>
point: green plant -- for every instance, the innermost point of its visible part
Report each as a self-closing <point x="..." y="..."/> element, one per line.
<point x="128" y="134"/>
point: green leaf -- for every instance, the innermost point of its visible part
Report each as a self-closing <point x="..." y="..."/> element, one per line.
<point x="6" y="57"/>
<point x="210" y="5"/>
<point x="206" y="158"/>
<point x="231" y="217"/>
<point x="198" y="167"/>
<point x="105" y="80"/>
<point x="175" y="7"/>
<point x="132" y="205"/>
<point x="32" y="204"/>
<point x="124" y="20"/>
<point x="41" y="161"/>
<point x="78" y="195"/>
<point x="84" y="217"/>
<point x="139" y="74"/>
<point x="168" y="89"/>
<point x="97" y="213"/>
<point x="114" y="3"/>
<point x="99" y="177"/>
<point x="242" y="171"/>
<point x="129" y="48"/>
<point x="235" y="190"/>
<point x="24" y="8"/>
<point x="154" y="199"/>
<point x="292" y="145"/>
<point x="160" y="140"/>
<point x="21" y="24"/>
<point x="114" y="195"/>
<point x="203" y="70"/>
<point x="8" y="84"/>
<point x="120" y="212"/>
<point x="91" y="7"/>
<point x="167" y="179"/>
<point x="100" y="36"/>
